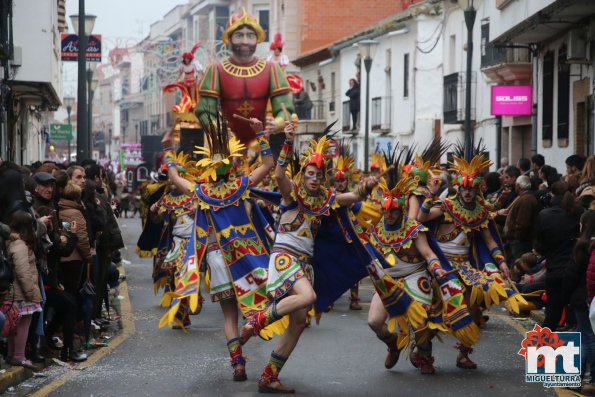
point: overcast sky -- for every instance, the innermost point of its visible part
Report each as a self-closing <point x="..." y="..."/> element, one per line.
<point x="121" y="23"/>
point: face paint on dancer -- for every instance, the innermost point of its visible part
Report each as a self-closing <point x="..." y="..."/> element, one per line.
<point x="313" y="177"/>
<point x="341" y="185"/>
<point x="467" y="194"/>
<point x="393" y="216"/>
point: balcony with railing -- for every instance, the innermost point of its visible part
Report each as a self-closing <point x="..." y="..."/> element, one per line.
<point x="381" y="114"/>
<point x="506" y="65"/>
<point x="314" y="120"/>
<point x="346" y="120"/>
<point x="454" y="97"/>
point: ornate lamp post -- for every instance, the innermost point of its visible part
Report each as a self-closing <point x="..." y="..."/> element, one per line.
<point x="68" y="102"/>
<point x="92" y="85"/>
<point x="367" y="50"/>
<point x="470" y="14"/>
<point x="83" y="26"/>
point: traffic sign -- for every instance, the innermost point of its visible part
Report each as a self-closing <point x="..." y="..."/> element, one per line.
<point x="61" y="132"/>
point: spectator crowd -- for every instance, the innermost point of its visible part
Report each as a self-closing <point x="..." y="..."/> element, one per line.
<point x="59" y="251"/>
<point x="547" y="223"/>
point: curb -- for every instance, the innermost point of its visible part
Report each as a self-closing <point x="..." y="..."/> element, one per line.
<point x="13" y="376"/>
<point x="16" y="375"/>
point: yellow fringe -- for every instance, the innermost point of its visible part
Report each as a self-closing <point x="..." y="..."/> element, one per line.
<point x="392" y="324"/>
<point x="169" y="317"/>
<point x="146" y="254"/>
<point x="438" y="327"/>
<point x="276" y="328"/>
<point x="468" y="335"/>
<point x="513" y="303"/>
<point x="207" y="280"/>
<point x="416" y="314"/>
<point x="166" y="299"/>
<point x="160" y="283"/>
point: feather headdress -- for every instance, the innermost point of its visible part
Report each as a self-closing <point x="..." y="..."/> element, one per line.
<point x="317" y="152"/>
<point x="425" y="163"/>
<point x="219" y="151"/>
<point x="343" y="169"/>
<point x="470" y="172"/>
<point x="396" y="186"/>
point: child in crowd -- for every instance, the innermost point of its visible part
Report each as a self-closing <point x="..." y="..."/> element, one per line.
<point x="25" y="292"/>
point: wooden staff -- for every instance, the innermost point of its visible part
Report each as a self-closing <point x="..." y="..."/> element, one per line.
<point x="448" y="273"/>
<point x="512" y="285"/>
<point x="242" y="118"/>
<point x="285" y="112"/>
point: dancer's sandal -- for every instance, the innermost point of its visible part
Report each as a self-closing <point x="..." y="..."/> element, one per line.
<point x="464" y="362"/>
<point x="273" y="386"/>
<point x="239" y="373"/>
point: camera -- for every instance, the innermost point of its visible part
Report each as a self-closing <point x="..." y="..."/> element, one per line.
<point x="66" y="226"/>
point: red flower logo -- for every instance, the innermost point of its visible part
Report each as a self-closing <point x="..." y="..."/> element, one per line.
<point x="539" y="337"/>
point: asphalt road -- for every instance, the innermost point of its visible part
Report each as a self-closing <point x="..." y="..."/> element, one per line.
<point x="339" y="357"/>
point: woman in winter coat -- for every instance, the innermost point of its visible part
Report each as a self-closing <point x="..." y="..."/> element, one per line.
<point x="71" y="212"/>
<point x="25" y="293"/>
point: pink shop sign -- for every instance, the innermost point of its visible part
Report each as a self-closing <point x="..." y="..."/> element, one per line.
<point x="512" y="100"/>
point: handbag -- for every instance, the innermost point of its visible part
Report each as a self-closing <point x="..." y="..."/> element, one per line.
<point x="87" y="289"/>
<point x="12" y="315"/>
<point x="6" y="272"/>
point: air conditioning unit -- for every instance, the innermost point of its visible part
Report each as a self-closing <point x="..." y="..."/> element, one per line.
<point x="577" y="47"/>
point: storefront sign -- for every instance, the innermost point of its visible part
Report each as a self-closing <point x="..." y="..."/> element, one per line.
<point x="512" y="100"/>
<point x="61" y="132"/>
<point x="70" y="47"/>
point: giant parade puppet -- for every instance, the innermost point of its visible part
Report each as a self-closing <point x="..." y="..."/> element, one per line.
<point x="243" y="84"/>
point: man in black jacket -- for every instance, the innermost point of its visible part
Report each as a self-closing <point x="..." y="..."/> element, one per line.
<point x="108" y="240"/>
<point x="61" y="244"/>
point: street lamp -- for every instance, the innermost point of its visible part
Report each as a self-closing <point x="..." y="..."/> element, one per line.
<point x="367" y="50"/>
<point x="470" y="14"/>
<point x="69" y="101"/>
<point x="83" y="26"/>
<point x="92" y="85"/>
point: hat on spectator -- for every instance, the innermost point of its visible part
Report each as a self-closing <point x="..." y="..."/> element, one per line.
<point x="43" y="178"/>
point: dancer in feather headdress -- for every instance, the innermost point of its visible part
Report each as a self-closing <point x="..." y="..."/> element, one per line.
<point x="306" y="203"/>
<point x="424" y="169"/>
<point x="402" y="242"/>
<point x="177" y="210"/>
<point x="466" y="235"/>
<point x="229" y="232"/>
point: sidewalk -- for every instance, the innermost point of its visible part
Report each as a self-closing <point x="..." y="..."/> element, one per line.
<point x="13" y="376"/>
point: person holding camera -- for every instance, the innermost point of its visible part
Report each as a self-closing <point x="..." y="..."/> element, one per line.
<point x="63" y="244"/>
<point x="77" y="264"/>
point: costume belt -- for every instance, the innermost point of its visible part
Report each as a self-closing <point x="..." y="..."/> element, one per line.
<point x="457" y="258"/>
<point x="213" y="247"/>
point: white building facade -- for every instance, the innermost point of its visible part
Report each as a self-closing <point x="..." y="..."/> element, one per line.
<point x="36" y="79"/>
<point x="418" y="75"/>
